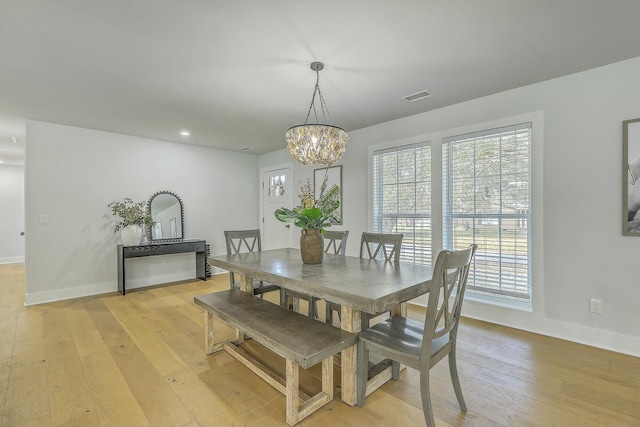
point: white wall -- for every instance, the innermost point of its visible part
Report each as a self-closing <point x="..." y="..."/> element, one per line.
<point x="579" y="251"/>
<point x="72" y="174"/>
<point x="11" y="213"/>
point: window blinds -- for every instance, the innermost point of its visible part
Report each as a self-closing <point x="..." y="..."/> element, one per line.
<point x="402" y="198"/>
<point x="487" y="201"/>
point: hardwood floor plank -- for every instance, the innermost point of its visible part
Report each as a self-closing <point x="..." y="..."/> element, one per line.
<point x="27" y="398"/>
<point x="159" y="403"/>
<point x="147" y="331"/>
<point x="115" y="402"/>
<point x="28" y="346"/>
<point x="68" y="388"/>
<point x="203" y="401"/>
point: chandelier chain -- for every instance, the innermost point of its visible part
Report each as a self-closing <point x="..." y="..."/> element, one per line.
<point x="323" y="105"/>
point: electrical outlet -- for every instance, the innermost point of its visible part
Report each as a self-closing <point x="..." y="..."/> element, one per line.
<point x="595" y="305"/>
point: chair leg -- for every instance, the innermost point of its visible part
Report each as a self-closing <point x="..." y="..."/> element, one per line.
<point x="362" y="373"/>
<point x="395" y="370"/>
<point x="453" y="369"/>
<point x="426" y="399"/>
<point x="328" y="313"/>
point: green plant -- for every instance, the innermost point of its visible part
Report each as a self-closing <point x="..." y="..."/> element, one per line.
<point x="313" y="213"/>
<point x="131" y="213"/>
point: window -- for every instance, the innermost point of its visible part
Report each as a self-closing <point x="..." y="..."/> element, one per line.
<point x="402" y="198"/>
<point x="487" y="201"/>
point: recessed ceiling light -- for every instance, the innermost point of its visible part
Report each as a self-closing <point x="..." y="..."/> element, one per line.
<point x="185" y="133"/>
<point x="417" y="96"/>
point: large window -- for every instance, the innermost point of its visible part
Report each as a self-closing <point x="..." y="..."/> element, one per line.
<point x="487" y="201"/>
<point x="402" y="198"/>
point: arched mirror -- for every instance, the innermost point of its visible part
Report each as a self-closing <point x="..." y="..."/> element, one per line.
<point x="167" y="212"/>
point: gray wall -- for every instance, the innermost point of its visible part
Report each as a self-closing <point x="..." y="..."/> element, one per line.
<point x="72" y="174"/>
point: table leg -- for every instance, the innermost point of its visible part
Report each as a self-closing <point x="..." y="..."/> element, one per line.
<point x="246" y="284"/>
<point x="351" y="321"/>
<point x="399" y="310"/>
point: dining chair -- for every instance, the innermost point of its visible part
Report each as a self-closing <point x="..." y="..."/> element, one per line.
<point x="335" y="242"/>
<point x="422" y="345"/>
<point x="374" y="246"/>
<point x="239" y="241"/>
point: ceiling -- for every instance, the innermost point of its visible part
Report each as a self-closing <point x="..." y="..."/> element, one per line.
<point x="235" y="74"/>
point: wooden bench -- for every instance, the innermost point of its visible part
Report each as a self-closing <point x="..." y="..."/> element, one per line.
<point x="302" y="341"/>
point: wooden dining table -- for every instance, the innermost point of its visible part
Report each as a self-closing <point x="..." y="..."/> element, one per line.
<point x="359" y="285"/>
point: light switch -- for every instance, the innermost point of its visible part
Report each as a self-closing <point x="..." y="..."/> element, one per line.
<point x="44" y="219"/>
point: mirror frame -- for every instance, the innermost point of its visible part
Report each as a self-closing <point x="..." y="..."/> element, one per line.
<point x="150" y="229"/>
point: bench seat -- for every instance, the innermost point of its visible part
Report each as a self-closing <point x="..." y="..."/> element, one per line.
<point x="302" y="341"/>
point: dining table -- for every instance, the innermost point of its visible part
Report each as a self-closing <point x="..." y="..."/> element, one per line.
<point x="359" y="285"/>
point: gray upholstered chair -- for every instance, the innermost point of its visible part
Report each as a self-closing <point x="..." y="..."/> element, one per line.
<point x="421" y="345"/>
<point x="335" y="242"/>
<point x="373" y="246"/>
<point x="239" y="241"/>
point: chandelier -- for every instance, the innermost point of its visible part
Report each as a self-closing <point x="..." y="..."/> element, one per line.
<point x="312" y="144"/>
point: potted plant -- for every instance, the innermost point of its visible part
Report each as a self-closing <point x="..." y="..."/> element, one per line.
<point x="134" y="217"/>
<point x="312" y="216"/>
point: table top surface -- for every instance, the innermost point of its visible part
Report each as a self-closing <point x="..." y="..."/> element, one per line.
<point x="372" y="286"/>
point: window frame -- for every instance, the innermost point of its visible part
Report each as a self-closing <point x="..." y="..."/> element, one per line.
<point x="448" y="216"/>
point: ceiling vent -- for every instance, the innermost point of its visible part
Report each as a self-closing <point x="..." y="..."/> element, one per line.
<point x="8" y="138"/>
<point x="417" y="96"/>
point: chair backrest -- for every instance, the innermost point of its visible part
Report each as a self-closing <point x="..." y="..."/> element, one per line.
<point x="450" y="275"/>
<point x="390" y="245"/>
<point x="236" y="239"/>
<point x="335" y="242"/>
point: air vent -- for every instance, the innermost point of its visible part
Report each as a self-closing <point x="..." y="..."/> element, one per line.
<point x="8" y="138"/>
<point x="417" y="96"/>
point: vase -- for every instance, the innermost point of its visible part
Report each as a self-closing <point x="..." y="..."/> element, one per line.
<point x="131" y="235"/>
<point x="311" y="246"/>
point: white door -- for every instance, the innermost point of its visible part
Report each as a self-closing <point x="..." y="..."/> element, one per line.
<point x="276" y="193"/>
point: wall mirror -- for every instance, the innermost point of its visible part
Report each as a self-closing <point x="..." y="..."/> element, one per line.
<point x="167" y="212"/>
<point x="631" y="177"/>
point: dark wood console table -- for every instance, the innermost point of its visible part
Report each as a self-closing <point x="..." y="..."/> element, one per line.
<point x="162" y="248"/>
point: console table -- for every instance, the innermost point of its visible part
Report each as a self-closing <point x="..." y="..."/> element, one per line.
<point x="162" y="248"/>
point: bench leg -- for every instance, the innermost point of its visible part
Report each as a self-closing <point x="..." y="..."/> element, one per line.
<point x="209" y="334"/>
<point x="293" y="384"/>
<point x="210" y="344"/>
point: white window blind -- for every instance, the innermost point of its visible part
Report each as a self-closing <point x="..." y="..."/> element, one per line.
<point x="487" y="201"/>
<point x="402" y="198"/>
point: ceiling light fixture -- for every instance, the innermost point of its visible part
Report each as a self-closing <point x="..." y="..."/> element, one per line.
<point x="185" y="133"/>
<point x="312" y="144"/>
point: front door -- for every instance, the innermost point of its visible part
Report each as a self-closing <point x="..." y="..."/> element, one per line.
<point x="276" y="193"/>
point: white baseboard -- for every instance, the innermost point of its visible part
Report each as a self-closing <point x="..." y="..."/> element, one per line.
<point x="101" y="288"/>
<point x="530" y="322"/>
<point x="69" y="293"/>
<point x="12" y="260"/>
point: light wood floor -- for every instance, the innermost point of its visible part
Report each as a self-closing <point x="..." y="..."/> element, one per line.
<point x="138" y="360"/>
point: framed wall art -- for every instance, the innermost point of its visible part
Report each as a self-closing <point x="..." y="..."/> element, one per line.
<point x="631" y="177"/>
<point x="334" y="176"/>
